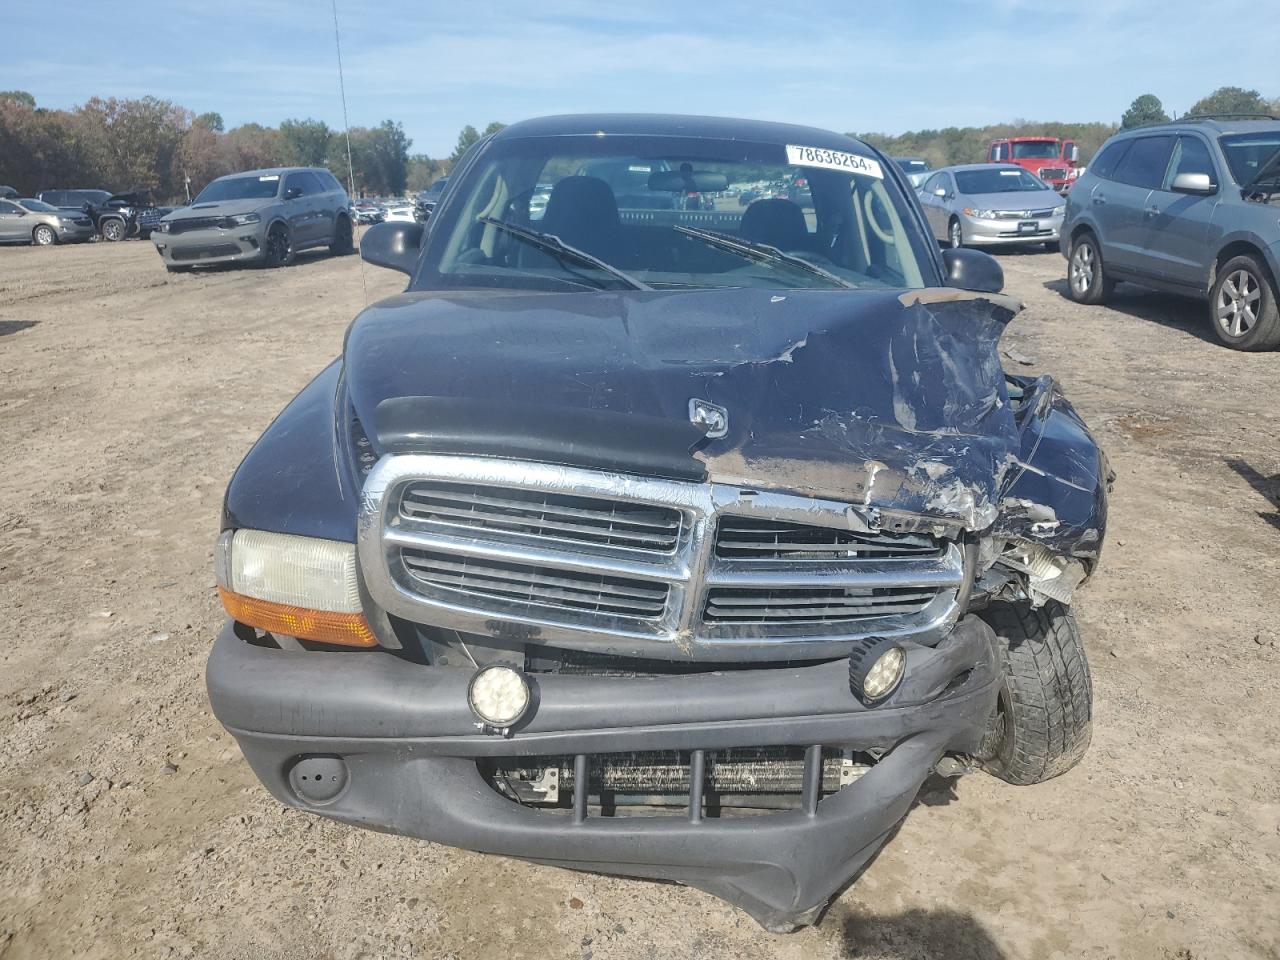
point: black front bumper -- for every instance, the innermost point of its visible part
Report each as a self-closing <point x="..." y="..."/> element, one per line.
<point x="409" y="747"/>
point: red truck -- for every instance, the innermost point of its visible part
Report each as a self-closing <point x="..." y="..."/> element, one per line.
<point x="1053" y="161"/>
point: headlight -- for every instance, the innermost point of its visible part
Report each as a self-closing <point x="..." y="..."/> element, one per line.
<point x="499" y="695"/>
<point x="301" y="587"/>
<point x="163" y="227"/>
<point x="243" y="219"/>
<point x="980" y="214"/>
<point x="1060" y="210"/>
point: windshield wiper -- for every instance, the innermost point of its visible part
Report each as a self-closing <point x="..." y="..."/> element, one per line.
<point x="762" y="253"/>
<point x="550" y="243"/>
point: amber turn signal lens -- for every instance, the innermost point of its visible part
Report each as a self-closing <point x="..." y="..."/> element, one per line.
<point x="347" y="629"/>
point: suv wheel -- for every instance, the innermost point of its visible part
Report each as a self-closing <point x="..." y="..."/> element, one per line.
<point x="1087" y="281"/>
<point x="112" y="229"/>
<point x="342" y="242"/>
<point x="1243" y="306"/>
<point x="1043" y="719"/>
<point x="955" y="234"/>
<point x="43" y="236"/>
<point x="279" y="246"/>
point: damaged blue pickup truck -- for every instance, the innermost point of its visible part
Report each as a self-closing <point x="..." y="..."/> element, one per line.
<point x="654" y="534"/>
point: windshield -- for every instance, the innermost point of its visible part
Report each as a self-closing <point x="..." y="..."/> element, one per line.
<point x="913" y="166"/>
<point x="1248" y="153"/>
<point x="583" y="212"/>
<point x="1036" y="150"/>
<point x="36" y="206"/>
<point x="436" y="188"/>
<point x="997" y="180"/>
<point x="240" y="188"/>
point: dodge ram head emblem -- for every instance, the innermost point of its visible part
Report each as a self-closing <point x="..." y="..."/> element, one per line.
<point x="712" y="418"/>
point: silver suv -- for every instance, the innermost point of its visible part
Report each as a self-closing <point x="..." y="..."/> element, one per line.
<point x="1187" y="207"/>
<point x="264" y="216"/>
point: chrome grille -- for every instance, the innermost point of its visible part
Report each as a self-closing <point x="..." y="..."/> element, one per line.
<point x="628" y="566"/>
<point x="551" y="518"/>
<point x="524" y="584"/>
<point x="1053" y="173"/>
<point x="751" y="538"/>
<point x="799" y="605"/>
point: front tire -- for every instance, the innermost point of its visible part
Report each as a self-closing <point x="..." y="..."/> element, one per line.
<point x="955" y="234"/>
<point x="112" y="229"/>
<point x="279" y="250"/>
<point x="1242" y="306"/>
<point x="1043" y="720"/>
<point x="1087" y="280"/>
<point x="44" y="236"/>
<point x="343" y="242"/>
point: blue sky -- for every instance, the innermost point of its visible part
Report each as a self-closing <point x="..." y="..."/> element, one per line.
<point x="847" y="66"/>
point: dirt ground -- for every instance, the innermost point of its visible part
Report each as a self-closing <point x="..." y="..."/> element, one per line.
<point x="130" y="825"/>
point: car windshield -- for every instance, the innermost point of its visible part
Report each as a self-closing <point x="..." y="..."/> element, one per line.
<point x="36" y="206"/>
<point x="1036" y="150"/>
<point x="997" y="180"/>
<point x="240" y="188"/>
<point x="1248" y="153"/>
<point x="436" y="188"/>
<point x="592" y="212"/>
<point x="913" y="166"/>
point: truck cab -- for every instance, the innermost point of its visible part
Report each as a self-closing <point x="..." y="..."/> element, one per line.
<point x="1054" y="161"/>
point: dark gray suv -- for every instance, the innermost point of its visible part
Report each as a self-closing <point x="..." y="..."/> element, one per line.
<point x="1188" y="207"/>
<point x="262" y="216"/>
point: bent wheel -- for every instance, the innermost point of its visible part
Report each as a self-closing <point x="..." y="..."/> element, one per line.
<point x="1044" y="715"/>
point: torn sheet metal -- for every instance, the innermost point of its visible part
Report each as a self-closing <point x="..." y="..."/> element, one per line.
<point x="895" y="402"/>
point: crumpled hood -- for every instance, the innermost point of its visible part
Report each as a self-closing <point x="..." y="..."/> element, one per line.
<point x="890" y="401"/>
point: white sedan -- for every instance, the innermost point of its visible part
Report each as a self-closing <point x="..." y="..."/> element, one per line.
<point x="402" y="213"/>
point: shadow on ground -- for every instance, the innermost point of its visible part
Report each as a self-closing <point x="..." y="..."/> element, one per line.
<point x="13" y="326"/>
<point x="1180" y="313"/>
<point x="1269" y="487"/>
<point x="914" y="935"/>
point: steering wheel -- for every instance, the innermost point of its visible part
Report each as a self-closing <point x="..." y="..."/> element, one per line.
<point x="886" y="236"/>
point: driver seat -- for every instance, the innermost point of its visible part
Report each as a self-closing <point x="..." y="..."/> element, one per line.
<point x="583" y="212"/>
<point x="777" y="222"/>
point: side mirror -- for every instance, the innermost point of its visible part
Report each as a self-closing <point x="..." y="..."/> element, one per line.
<point x="393" y="244"/>
<point x="1199" y="184"/>
<point x="973" y="270"/>
<point x="940" y="192"/>
<point x="293" y="193"/>
<point x="1073" y="152"/>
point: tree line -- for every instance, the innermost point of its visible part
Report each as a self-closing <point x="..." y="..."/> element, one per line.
<point x="969" y="144"/>
<point x="157" y="146"/>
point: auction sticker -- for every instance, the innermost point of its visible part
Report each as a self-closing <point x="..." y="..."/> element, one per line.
<point x="833" y="160"/>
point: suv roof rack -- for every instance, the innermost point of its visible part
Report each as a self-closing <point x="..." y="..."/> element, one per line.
<point x="1206" y="117"/>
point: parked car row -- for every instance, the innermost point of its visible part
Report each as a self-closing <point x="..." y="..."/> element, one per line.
<point x="68" y="216"/>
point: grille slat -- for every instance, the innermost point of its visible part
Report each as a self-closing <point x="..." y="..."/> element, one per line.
<point x="809" y="605"/>
<point x="750" y="538"/>
<point x="502" y="580"/>
<point x="559" y="518"/>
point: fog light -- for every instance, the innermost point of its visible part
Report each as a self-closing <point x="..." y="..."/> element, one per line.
<point x="876" y="667"/>
<point x="499" y="696"/>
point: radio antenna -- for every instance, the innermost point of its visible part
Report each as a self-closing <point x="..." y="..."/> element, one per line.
<point x="346" y="130"/>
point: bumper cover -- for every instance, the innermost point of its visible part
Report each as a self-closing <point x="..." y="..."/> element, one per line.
<point x="209" y="246"/>
<point x="409" y="750"/>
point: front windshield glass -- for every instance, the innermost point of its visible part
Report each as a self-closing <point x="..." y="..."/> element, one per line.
<point x="590" y="212"/>
<point x="1248" y="153"/>
<point x="240" y="188"/>
<point x="913" y="166"/>
<point x="997" y="180"/>
<point x="36" y="206"/>
<point x="1036" y="150"/>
